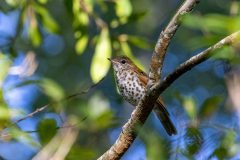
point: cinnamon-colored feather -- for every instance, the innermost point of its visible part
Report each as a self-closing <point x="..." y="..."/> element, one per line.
<point x="159" y="108"/>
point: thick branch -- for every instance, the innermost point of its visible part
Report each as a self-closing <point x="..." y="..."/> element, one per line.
<point x="144" y="108"/>
<point x="164" y="40"/>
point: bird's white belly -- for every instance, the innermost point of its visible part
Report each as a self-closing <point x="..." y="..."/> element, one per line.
<point x="130" y="88"/>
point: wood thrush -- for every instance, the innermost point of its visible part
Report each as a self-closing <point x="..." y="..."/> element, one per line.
<point x="132" y="82"/>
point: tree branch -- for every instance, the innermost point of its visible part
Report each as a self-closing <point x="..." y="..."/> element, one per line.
<point x="195" y="60"/>
<point x="164" y="41"/>
<point x="140" y="114"/>
<point x="143" y="109"/>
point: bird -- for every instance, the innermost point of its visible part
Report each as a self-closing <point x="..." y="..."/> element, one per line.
<point x="132" y="82"/>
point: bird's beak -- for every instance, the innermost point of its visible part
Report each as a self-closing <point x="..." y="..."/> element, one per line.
<point x="113" y="61"/>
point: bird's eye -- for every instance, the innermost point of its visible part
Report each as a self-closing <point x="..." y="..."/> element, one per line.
<point x="123" y="61"/>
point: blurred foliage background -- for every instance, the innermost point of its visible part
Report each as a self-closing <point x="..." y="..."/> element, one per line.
<point x="51" y="49"/>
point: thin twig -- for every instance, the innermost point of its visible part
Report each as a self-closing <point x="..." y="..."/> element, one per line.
<point x="38" y="110"/>
<point x="31" y="114"/>
<point x="7" y="135"/>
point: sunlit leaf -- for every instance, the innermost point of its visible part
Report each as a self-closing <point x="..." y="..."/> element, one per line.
<point x="81" y="44"/>
<point x="15" y="3"/>
<point x="5" y="63"/>
<point x="123" y="9"/>
<point x="140" y="42"/>
<point x="209" y="106"/>
<point x="33" y="31"/>
<point x="43" y="1"/>
<point x="193" y="140"/>
<point x="100" y="65"/>
<point x="46" y="130"/>
<point x="4" y="113"/>
<point x="48" y="22"/>
<point x="52" y="89"/>
<point x="80" y="17"/>
<point x="190" y="106"/>
<point x="4" y="116"/>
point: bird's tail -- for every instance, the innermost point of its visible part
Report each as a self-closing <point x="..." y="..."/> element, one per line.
<point x="163" y="116"/>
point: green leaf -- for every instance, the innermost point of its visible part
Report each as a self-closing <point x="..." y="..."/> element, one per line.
<point x="196" y="42"/>
<point x="5" y="116"/>
<point x="228" y="146"/>
<point x="4" y="113"/>
<point x="193" y="140"/>
<point x="155" y="146"/>
<point x="190" y="106"/>
<point x="221" y="153"/>
<point x="229" y="139"/>
<point x="80" y="17"/>
<point x="34" y="33"/>
<point x="140" y="42"/>
<point x="136" y="16"/>
<point x="100" y="65"/>
<point x="46" y="130"/>
<point x="123" y="9"/>
<point x="105" y="120"/>
<point x="5" y="63"/>
<point x="209" y="106"/>
<point x="15" y="3"/>
<point x="48" y="22"/>
<point x="43" y="1"/>
<point x="81" y="153"/>
<point x="81" y="44"/>
<point x="214" y="23"/>
<point x="52" y="89"/>
<point x="226" y="53"/>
